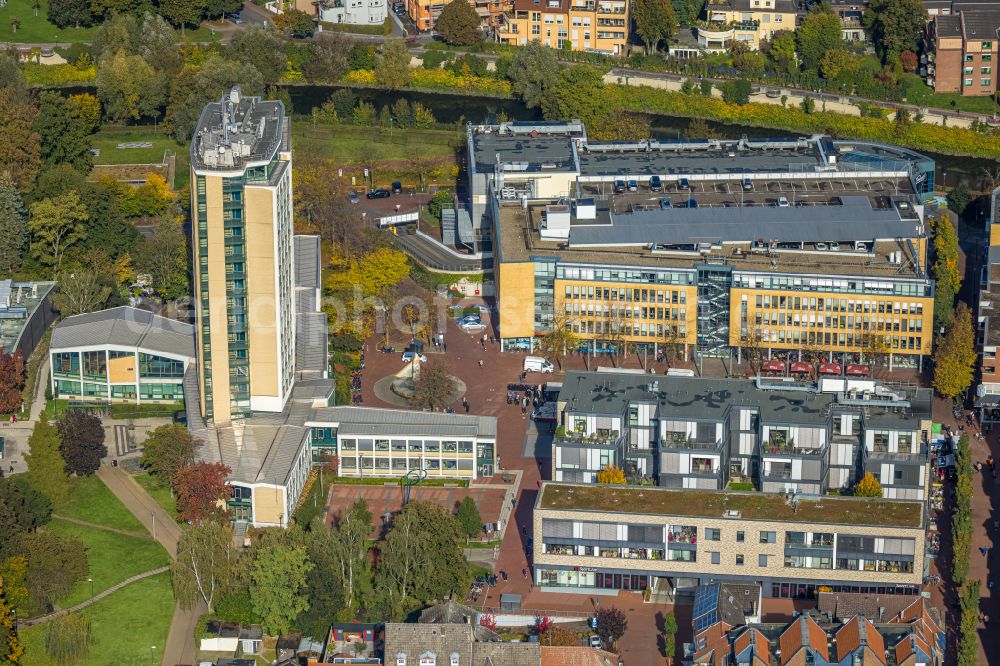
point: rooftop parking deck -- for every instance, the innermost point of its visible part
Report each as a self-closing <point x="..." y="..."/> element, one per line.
<point x="744" y="505"/>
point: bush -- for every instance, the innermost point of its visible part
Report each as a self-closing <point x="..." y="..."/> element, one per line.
<point x="441" y="199"/>
<point x="345" y="343"/>
<point x="236" y="607"/>
<point x="736" y="92"/>
<point x="434" y="59"/>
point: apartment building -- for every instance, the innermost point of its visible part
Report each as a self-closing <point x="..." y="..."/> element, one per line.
<point x="601" y="26"/>
<point x="424" y="13"/>
<point x="780" y="436"/>
<point x="354" y="12"/>
<point x="715" y="247"/>
<point x="122" y="354"/>
<point x="747" y="21"/>
<point x="393" y="442"/>
<point x="961" y="48"/>
<point x="601" y="539"/>
<point x="851" y="14"/>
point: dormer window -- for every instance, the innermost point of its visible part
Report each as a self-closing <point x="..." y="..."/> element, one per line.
<point x="428" y="659"/>
<point x="401" y="659"/>
<point x="453" y="661"/>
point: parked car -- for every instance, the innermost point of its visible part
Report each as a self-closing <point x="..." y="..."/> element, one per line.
<point x="595" y="642"/>
<point x="620" y="187"/>
<point x="472" y="326"/>
<point x="409" y="357"/>
<point x="692" y="202"/>
<point x="655" y="184"/>
<point x="782" y="202"/>
<point x="747" y="184"/>
<point x="353" y="197"/>
<point x="665" y="203"/>
<point x="633" y="185"/>
<point x="472" y="317"/>
<point x="234" y="17"/>
<point x="683" y="184"/>
<point x="380" y="193"/>
<point x="397" y="187"/>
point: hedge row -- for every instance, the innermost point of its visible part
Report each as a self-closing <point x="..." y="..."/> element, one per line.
<point x="919" y="136"/>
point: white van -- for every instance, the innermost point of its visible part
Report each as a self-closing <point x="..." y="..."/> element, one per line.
<point x="537" y="364"/>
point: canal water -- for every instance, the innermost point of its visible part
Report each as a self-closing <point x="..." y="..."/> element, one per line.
<point x="459" y="108"/>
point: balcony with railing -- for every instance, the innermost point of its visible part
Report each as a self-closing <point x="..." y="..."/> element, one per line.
<point x="778" y="444"/>
<point x="684" y="442"/>
<point x="600" y="438"/>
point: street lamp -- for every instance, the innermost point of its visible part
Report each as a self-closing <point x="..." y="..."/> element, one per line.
<point x="91" y="581"/>
<point x="152" y="654"/>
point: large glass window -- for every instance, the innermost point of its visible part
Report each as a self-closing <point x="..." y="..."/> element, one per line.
<point x="123" y="392"/>
<point x="151" y="365"/>
<point x="173" y="392"/>
<point x="66" y="363"/>
<point x="95" y="365"/>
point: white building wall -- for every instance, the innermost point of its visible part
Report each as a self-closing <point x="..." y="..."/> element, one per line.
<point x="355" y="12"/>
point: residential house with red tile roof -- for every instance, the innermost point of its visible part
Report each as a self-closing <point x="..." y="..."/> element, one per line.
<point x="803" y="642"/>
<point x="858" y="643"/>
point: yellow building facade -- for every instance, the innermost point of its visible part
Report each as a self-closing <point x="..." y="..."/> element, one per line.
<point x="241" y="173"/>
<point x="585" y="25"/>
<point x="747" y="21"/>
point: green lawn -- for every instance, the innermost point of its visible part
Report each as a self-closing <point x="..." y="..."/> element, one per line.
<point x="35" y="29"/>
<point x="92" y="501"/>
<point x="158" y="492"/>
<point x="108" y="138"/>
<point x="125" y="626"/>
<point x="917" y="92"/>
<point x="112" y="558"/>
<point x="350" y="144"/>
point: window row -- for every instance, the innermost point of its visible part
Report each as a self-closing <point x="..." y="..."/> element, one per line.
<point x="599" y="310"/>
<point x="842" y="321"/>
<point x="575" y="292"/>
<point x="837" y="305"/>
<point x="404" y="464"/>
<point x="625" y="330"/>
<point x="827" y="339"/>
<point x="405" y="446"/>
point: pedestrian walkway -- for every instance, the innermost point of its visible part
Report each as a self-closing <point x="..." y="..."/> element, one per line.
<point x="97" y="597"/>
<point x="180" y="645"/>
<point x="98" y="526"/>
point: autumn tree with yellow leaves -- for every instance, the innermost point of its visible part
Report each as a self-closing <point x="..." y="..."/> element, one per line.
<point x="611" y="474"/>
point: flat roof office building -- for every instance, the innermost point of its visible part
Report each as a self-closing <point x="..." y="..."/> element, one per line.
<point x="25" y="314"/>
<point x="713" y="246"/>
<point x="601" y="539"/>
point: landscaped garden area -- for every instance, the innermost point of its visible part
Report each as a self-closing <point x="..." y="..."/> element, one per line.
<point x="127" y="623"/>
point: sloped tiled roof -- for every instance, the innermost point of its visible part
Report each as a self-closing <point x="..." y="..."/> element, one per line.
<point x="802" y="634"/>
<point x="712" y="645"/>
<point x="576" y="656"/>
<point x="842" y="606"/>
<point x="859" y="634"/>
<point x="753" y="647"/>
